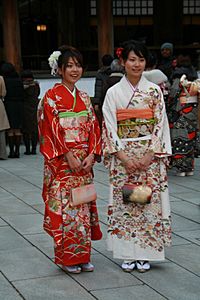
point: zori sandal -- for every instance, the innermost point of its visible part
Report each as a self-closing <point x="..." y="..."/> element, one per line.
<point x="142" y="266"/>
<point x="72" y="269"/>
<point x="87" y="267"/>
<point x="128" y="266"/>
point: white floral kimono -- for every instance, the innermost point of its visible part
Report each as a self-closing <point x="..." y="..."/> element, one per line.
<point x="137" y="232"/>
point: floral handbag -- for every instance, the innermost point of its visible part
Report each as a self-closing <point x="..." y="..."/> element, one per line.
<point x="83" y="194"/>
<point x="138" y="192"/>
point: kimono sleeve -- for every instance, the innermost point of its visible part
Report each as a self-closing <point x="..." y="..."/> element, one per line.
<point x="51" y="134"/>
<point x="160" y="141"/>
<point x="94" y="134"/>
<point x="2" y="87"/>
<point x="111" y="140"/>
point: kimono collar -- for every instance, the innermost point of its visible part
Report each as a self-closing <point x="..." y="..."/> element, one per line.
<point x="127" y="89"/>
<point x="73" y="93"/>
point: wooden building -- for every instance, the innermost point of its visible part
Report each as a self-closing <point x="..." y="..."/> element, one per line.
<point x="31" y="29"/>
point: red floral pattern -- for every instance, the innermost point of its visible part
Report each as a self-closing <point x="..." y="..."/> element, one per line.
<point x="71" y="227"/>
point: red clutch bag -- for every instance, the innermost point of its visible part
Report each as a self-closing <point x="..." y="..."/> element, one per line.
<point x="138" y="192"/>
<point x="83" y="194"/>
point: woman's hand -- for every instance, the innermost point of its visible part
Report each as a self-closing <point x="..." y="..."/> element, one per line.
<point x="145" y="161"/>
<point x="131" y="165"/>
<point x="74" y="162"/>
<point x="88" y="163"/>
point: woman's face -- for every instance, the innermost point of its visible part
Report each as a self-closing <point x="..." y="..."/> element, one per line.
<point x="72" y="73"/>
<point x="134" y="65"/>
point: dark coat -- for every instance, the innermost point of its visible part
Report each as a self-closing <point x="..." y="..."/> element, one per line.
<point x="31" y="100"/>
<point x="166" y="66"/>
<point x="101" y="77"/>
<point x="111" y="80"/>
<point x="189" y="71"/>
<point x="13" y="101"/>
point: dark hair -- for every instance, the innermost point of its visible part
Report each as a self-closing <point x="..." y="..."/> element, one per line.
<point x="66" y="53"/>
<point x="152" y="60"/>
<point x="107" y="59"/>
<point x="184" y="60"/>
<point x="27" y="74"/>
<point x="138" y="47"/>
<point x="8" y="70"/>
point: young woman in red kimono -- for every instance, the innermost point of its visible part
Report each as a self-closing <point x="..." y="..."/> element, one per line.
<point x="69" y="139"/>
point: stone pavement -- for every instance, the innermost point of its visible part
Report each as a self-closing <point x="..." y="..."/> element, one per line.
<point x="26" y="251"/>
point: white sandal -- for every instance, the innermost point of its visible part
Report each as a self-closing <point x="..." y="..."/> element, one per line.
<point x="180" y="174"/>
<point x="128" y="266"/>
<point x="142" y="266"/>
<point x="87" y="267"/>
<point x="191" y="173"/>
<point x="72" y="269"/>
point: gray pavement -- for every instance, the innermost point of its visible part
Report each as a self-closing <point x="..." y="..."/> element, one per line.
<point x="26" y="251"/>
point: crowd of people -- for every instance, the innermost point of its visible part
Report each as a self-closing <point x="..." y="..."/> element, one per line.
<point x="18" y="108"/>
<point x="143" y="120"/>
<point x="166" y="71"/>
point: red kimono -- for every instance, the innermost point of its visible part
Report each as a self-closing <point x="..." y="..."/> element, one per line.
<point x="71" y="227"/>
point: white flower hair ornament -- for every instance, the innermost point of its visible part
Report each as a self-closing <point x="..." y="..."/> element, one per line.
<point x="53" y="62"/>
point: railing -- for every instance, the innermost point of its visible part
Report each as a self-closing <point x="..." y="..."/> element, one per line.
<point x="40" y="62"/>
<point x="35" y="62"/>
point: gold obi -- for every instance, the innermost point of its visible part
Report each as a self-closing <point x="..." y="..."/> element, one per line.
<point x="133" y="128"/>
<point x="134" y="123"/>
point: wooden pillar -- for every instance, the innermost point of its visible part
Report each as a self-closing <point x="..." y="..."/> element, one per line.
<point x="11" y="33"/>
<point x="82" y="23"/>
<point x="66" y="22"/>
<point x="105" y="28"/>
<point x="168" y="21"/>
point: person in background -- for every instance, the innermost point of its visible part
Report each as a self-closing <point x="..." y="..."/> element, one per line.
<point x="69" y="139"/>
<point x="30" y="126"/>
<point x="4" y="123"/>
<point x="102" y="74"/>
<point x="184" y="66"/>
<point x="13" y="102"/>
<point x="167" y="61"/>
<point x="183" y="116"/>
<point x="136" y="146"/>
<point x="152" y="61"/>
<point x="153" y="74"/>
<point x="117" y="72"/>
<point x="197" y="146"/>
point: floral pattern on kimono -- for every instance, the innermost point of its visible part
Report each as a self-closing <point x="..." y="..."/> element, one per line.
<point x="71" y="227"/>
<point x="183" y="121"/>
<point x="137" y="232"/>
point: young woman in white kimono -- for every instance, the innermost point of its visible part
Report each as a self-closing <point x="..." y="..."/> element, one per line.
<point x="136" y="146"/>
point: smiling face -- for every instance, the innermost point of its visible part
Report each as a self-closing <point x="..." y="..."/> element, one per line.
<point x="71" y="73"/>
<point x="134" y="66"/>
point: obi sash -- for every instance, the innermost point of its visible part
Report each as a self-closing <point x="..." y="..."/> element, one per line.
<point x="74" y="124"/>
<point x="143" y="113"/>
<point x="186" y="100"/>
<point x="83" y="113"/>
<point x="134" y="123"/>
